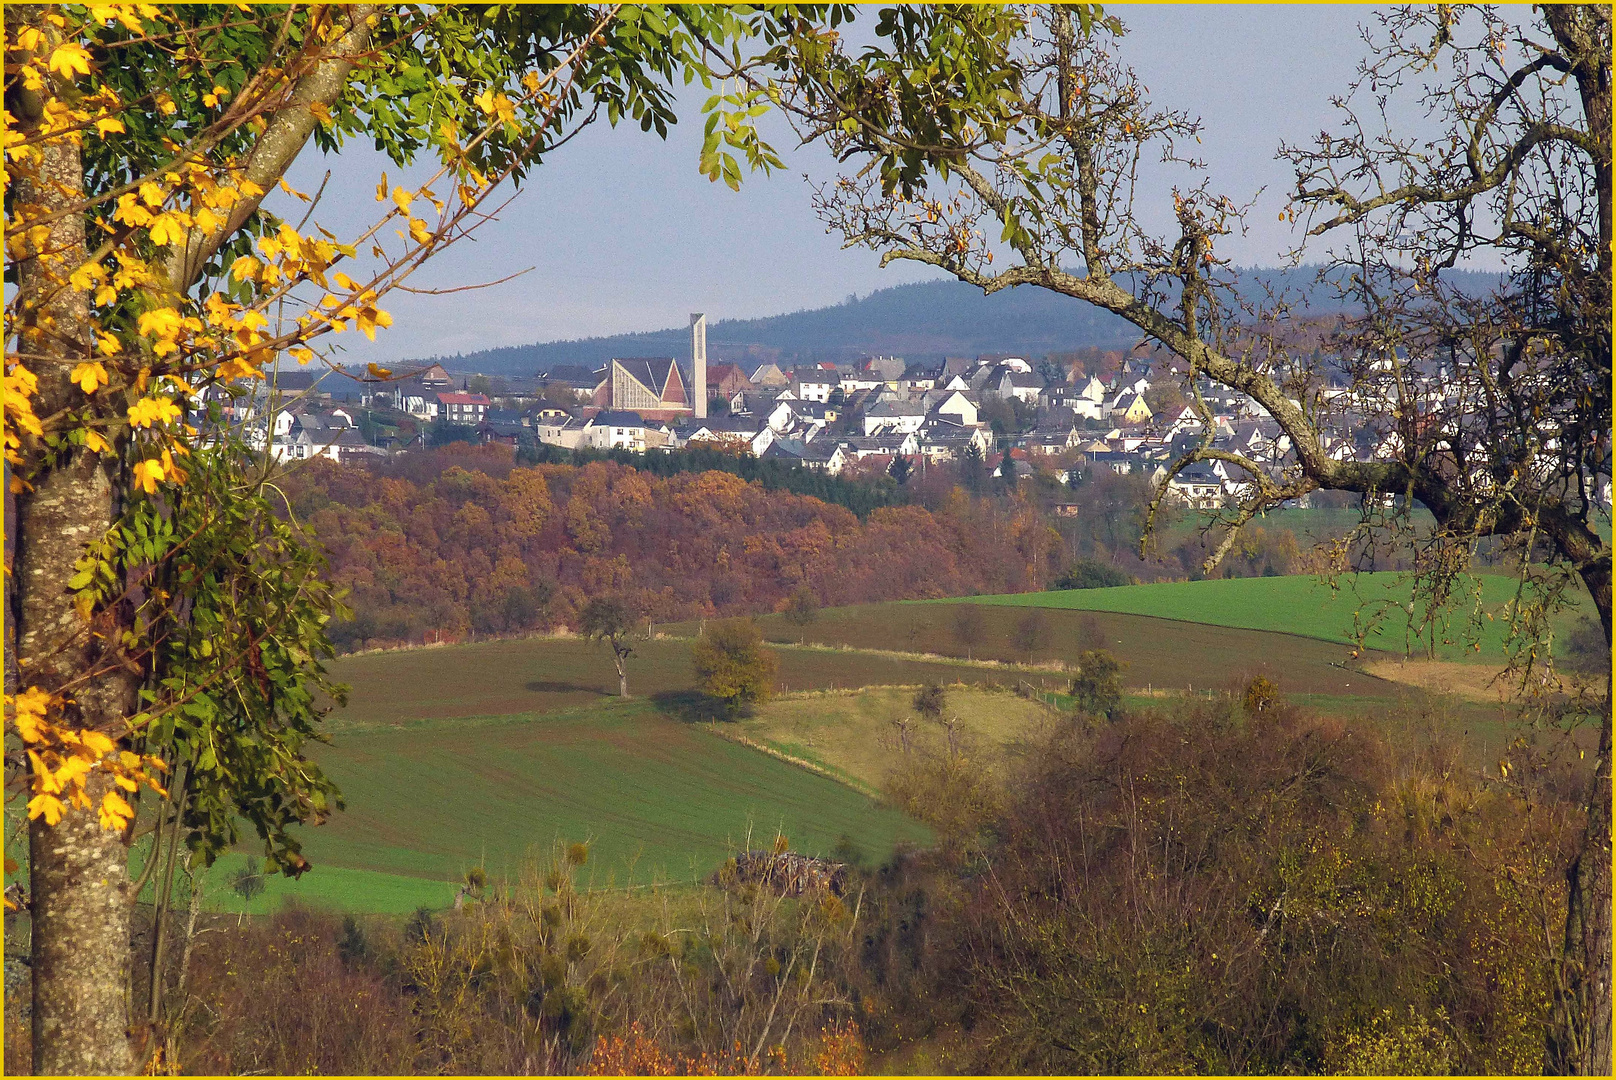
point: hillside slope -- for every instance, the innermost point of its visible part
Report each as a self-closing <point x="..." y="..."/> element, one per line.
<point x="928" y="320"/>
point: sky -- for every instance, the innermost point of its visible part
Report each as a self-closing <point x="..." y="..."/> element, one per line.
<point x="622" y="233"/>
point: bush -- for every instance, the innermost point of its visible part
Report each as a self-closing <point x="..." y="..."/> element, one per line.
<point x="733" y="665"/>
<point x="1097" y="686"/>
<point x="1090" y="574"/>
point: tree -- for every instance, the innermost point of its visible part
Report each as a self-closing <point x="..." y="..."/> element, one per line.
<point x="929" y="702"/>
<point x="1032" y="631"/>
<point x="972" y="468"/>
<point x="900" y="469"/>
<point x="968" y="627"/>
<point x="1051" y="371"/>
<point x="733" y="665"/>
<point x="248" y="881"/>
<point x="146" y="284"/>
<point x="1097" y="686"/>
<point x="1495" y="404"/>
<point x="802" y="608"/>
<point x="609" y="619"/>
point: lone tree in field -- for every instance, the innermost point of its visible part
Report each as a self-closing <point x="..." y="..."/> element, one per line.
<point x="733" y="665"/>
<point x="968" y="627"/>
<point x="802" y="608"/>
<point x="1031" y="632"/>
<point x="608" y="619"/>
<point x="1097" y="686"/>
<point x="1002" y="145"/>
<point x="168" y="627"/>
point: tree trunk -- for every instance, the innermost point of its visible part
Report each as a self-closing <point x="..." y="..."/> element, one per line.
<point x="80" y="945"/>
<point x="1580" y="1036"/>
<point x="622" y="676"/>
<point x="79" y="872"/>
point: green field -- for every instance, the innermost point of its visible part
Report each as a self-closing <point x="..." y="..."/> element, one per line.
<point x="1159" y="652"/>
<point x="656" y="799"/>
<point x="1304" y="606"/>
<point x="542" y="675"/>
<point x="489" y="754"/>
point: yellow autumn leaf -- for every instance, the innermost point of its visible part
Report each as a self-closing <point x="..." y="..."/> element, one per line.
<point x="106" y="343"/>
<point x="148" y="474"/>
<point x="115" y="813"/>
<point x="369" y="319"/>
<point x="89" y="376"/>
<point x="97" y="743"/>
<point x="167" y="230"/>
<point x="379" y="372"/>
<point x="109" y="125"/>
<point x="153" y="410"/>
<point x="69" y="57"/>
<point x="94" y="442"/>
<point x="418" y="231"/>
<point x="159" y="322"/>
<point x="151" y="193"/>
<point x="402" y="199"/>
<point x="48" y="807"/>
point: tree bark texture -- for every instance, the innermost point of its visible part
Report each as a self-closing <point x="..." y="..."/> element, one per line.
<point x="79" y="873"/>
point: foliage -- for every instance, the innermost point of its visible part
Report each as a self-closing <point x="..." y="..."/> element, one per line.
<point x="608" y="619"/>
<point x="1090" y="574"/>
<point x="1096" y="689"/>
<point x="967" y="627"/>
<point x="859" y="494"/>
<point x="1272" y="895"/>
<point x="733" y="665"/>
<point x="248" y="881"/>
<point x="435" y="545"/>
<point x="802" y="607"/>
<point x="1031" y="632"/>
<point x="929" y="701"/>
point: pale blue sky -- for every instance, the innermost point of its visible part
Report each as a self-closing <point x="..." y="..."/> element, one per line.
<point x="624" y="234"/>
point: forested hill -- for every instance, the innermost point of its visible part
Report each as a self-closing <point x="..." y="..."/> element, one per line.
<point x="918" y="322"/>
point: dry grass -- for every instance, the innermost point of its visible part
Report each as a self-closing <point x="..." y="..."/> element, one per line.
<point x="1469" y="682"/>
<point x="855" y="735"/>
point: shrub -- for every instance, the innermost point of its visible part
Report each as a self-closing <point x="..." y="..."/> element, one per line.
<point x="733" y="665"/>
<point x="1090" y="574"/>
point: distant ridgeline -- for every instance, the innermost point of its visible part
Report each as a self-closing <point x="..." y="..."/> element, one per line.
<point x="919" y="322"/>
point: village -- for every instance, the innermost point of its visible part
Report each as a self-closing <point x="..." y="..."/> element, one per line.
<point x="1008" y="415"/>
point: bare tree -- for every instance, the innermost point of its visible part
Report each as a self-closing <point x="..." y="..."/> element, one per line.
<point x="1017" y="163"/>
<point x="968" y="627"/>
<point x="608" y="619"/>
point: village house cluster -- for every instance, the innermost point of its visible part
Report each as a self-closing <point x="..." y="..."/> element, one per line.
<point x="1003" y="412"/>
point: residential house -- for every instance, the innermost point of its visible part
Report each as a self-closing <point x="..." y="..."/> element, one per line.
<point x="942" y="440"/>
<point x="1197" y="486"/>
<point x="746" y="433"/>
<point x="462" y="408"/>
<point x="812" y="384"/>
<point x="951" y="405"/>
<point x="903" y="415"/>
<point x="616" y="429"/>
<point x="893" y="443"/>
<point x="768" y="375"/>
<point x="564" y="431"/>
<point x="1129" y="408"/>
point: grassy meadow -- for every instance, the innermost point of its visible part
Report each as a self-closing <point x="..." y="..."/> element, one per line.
<point x="1304" y="606"/>
<point x="853" y="734"/>
<point x="488" y="754"/>
<point x="657" y="799"/>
